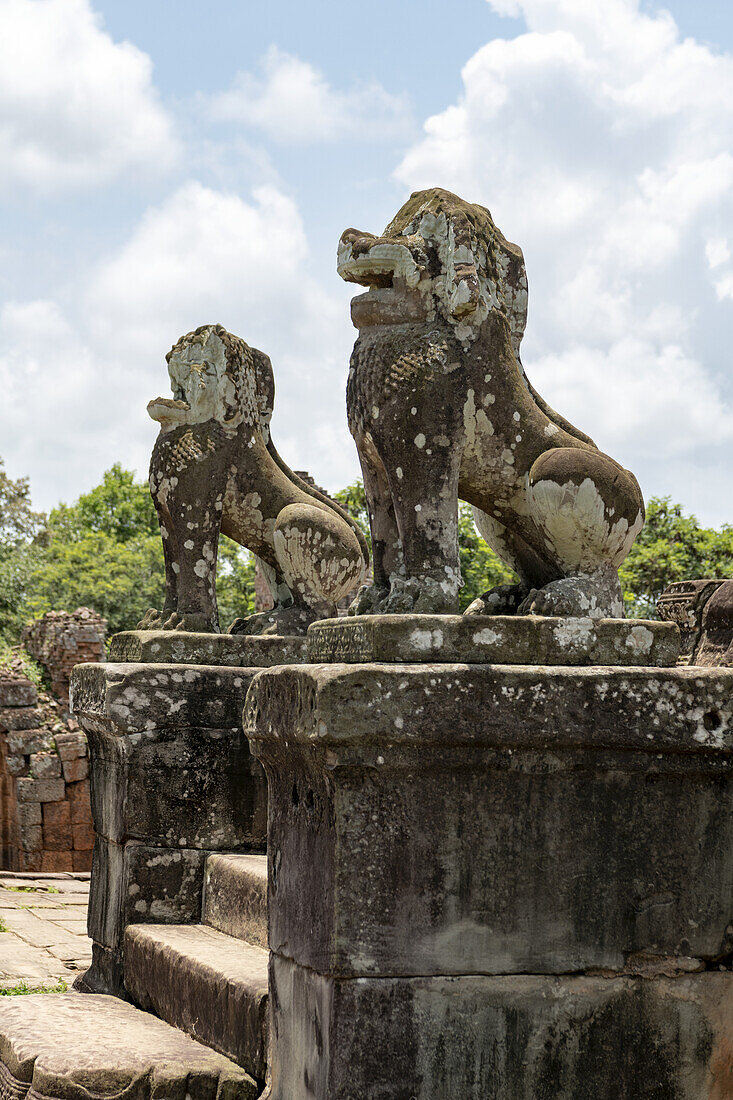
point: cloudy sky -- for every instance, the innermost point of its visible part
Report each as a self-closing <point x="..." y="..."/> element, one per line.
<point x="167" y="163"/>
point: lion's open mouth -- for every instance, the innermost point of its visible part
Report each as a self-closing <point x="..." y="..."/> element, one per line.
<point x="168" y="409"/>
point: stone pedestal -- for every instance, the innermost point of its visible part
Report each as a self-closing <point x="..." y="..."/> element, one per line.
<point x="172" y="779"/>
<point x="495" y="881"/>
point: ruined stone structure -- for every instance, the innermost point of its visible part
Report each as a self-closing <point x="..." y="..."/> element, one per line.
<point x="499" y="847"/>
<point x="493" y="880"/>
<point x="215" y="469"/>
<point x="440" y="408"/>
<point x="703" y="611"/>
<point x="45" y="812"/>
<point x="59" y="640"/>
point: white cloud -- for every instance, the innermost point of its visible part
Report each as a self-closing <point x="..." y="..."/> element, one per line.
<point x="201" y="256"/>
<point x="76" y="108"/>
<point x="293" y="103"/>
<point x="603" y="143"/>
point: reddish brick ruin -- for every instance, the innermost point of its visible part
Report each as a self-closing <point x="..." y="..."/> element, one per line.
<point x="61" y="639"/>
<point x="45" y="811"/>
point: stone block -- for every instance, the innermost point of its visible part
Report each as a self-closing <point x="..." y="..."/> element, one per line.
<point x="28" y="741"/>
<point x="76" y="769"/>
<point x="19" y="718"/>
<point x="129" y="698"/>
<point x="31" y="861"/>
<point x="31" y="838"/>
<point x="17" y="693"/>
<point x="494" y="639"/>
<point x="501" y="1038"/>
<point x="235" y="896"/>
<point x="16" y="765"/>
<point x="40" y="790"/>
<point x="190" y="648"/>
<point x="57" y="861"/>
<point x="81" y="861"/>
<point x="83" y="837"/>
<point x="45" y="765"/>
<point x="485" y="819"/>
<point x="56" y="813"/>
<point x="29" y="813"/>
<point x="57" y="838"/>
<point x="72" y="1046"/>
<point x="136" y="884"/>
<point x="79" y="799"/>
<point x="208" y="984"/>
<point x="71" y="746"/>
<point x="170" y="784"/>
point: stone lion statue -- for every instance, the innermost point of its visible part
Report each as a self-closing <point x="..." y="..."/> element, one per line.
<point x="215" y="469"/>
<point x="441" y="409"/>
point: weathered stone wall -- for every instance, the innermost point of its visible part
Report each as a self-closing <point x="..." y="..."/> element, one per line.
<point x="61" y="639"/>
<point x="45" y="811"/>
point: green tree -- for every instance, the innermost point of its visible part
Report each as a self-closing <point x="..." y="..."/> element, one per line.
<point x="481" y="568"/>
<point x="18" y="522"/>
<point x="105" y="552"/>
<point x="672" y="547"/>
<point x="235" y="582"/>
<point x="353" y="499"/>
<point x="19" y="526"/>
<point x="120" y="507"/>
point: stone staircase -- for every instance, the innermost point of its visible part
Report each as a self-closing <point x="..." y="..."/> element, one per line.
<point x="207" y="980"/>
<point x="210" y="979"/>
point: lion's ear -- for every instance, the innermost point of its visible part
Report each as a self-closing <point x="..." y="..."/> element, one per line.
<point x="463" y="289"/>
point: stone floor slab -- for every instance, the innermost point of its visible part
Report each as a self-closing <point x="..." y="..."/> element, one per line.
<point x="69" y="1046"/>
<point x="46" y="940"/>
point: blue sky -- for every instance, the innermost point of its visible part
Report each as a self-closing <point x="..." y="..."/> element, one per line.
<point x="167" y="163"/>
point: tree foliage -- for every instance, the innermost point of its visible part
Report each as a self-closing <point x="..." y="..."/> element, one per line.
<point x="672" y="547"/>
<point x="18" y="522"/>
<point x="104" y="552"/>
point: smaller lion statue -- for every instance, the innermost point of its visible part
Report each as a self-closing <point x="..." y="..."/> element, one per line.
<point x="441" y="409"/>
<point x="214" y="469"/>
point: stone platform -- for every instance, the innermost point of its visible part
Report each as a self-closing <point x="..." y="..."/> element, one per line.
<point x="494" y="639"/>
<point x="498" y="880"/>
<point x="176" y="647"/>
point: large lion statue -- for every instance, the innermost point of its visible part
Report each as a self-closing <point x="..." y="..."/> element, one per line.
<point x="215" y="469"/>
<point x="441" y="409"/>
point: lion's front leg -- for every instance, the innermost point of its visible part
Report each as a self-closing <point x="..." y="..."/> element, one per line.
<point x="190" y="511"/>
<point x="425" y="500"/>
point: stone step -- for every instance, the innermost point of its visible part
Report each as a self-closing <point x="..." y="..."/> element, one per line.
<point x="212" y="986"/>
<point x="235" y="896"/>
<point x="66" y="1045"/>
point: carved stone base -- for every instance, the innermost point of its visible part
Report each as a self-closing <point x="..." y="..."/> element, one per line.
<point x="494" y="639"/>
<point x="172" y="780"/>
<point x="448" y="842"/>
<point x="184" y="648"/>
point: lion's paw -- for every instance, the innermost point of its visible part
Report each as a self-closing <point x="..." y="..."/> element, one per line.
<point x="281" y="621"/>
<point x="151" y="620"/>
<point x="591" y="596"/>
<point x="503" y="599"/>
<point x="368" y="600"/>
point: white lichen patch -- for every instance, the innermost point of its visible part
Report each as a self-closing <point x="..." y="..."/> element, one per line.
<point x="639" y="639"/>
<point x="425" y="641"/>
<point x="486" y="636"/>
<point x="575" y="633"/>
